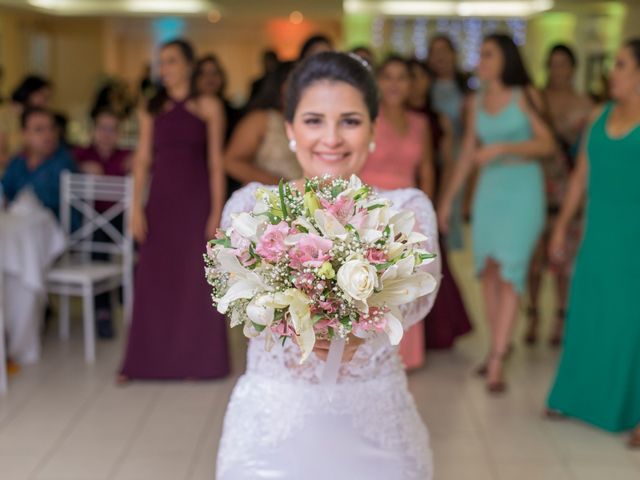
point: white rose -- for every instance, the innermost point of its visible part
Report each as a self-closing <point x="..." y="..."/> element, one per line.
<point x="357" y="278"/>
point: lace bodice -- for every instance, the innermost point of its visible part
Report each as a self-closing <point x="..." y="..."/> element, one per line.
<point x="376" y="357"/>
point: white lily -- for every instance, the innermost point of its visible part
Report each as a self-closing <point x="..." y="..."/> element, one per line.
<point x="243" y="282"/>
<point x="402" y="222"/>
<point x="329" y="225"/>
<point x="300" y="315"/>
<point x="247" y="225"/>
<point x="393" y="327"/>
<point x="400" y="284"/>
<point x="260" y="311"/>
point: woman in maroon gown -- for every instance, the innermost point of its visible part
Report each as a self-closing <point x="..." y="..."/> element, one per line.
<point x="175" y="334"/>
<point x="448" y="319"/>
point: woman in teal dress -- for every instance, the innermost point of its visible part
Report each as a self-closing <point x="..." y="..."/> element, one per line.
<point x="505" y="138"/>
<point x="598" y="379"/>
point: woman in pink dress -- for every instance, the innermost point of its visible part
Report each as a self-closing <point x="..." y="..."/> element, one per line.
<point x="402" y="158"/>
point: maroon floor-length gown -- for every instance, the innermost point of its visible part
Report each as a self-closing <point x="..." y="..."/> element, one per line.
<point x="175" y="332"/>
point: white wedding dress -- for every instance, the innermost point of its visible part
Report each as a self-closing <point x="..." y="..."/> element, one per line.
<point x="282" y="424"/>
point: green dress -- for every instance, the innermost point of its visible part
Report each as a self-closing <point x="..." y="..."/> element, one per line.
<point x="509" y="203"/>
<point x="598" y="378"/>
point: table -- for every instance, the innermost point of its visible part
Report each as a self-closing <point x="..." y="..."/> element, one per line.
<point x="29" y="244"/>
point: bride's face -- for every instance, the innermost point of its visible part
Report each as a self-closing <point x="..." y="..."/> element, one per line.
<point x="332" y="129"/>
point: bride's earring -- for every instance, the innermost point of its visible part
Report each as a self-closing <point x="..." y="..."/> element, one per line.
<point x="293" y="145"/>
<point x="372" y="147"/>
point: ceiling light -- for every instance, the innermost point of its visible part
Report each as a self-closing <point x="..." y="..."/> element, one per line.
<point x="164" y="6"/>
<point x="214" y="16"/>
<point x="496" y="8"/>
<point x="296" y="17"/>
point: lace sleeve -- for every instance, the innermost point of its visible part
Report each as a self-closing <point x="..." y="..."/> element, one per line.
<point x="419" y="203"/>
<point x="242" y="200"/>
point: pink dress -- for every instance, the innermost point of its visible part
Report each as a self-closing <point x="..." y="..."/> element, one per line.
<point x="395" y="164"/>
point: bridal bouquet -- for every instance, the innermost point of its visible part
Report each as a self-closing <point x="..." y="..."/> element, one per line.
<point x="332" y="261"/>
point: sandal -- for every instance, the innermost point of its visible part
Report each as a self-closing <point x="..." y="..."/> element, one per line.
<point x="556" y="339"/>
<point x="531" y="338"/>
<point x="496" y="387"/>
<point x="634" y="440"/>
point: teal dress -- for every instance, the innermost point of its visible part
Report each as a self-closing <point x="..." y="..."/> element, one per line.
<point x="598" y="378"/>
<point x="509" y="203"/>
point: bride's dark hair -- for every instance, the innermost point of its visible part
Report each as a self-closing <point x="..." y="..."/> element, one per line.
<point x="331" y="67"/>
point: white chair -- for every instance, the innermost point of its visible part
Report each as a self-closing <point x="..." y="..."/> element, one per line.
<point x="77" y="274"/>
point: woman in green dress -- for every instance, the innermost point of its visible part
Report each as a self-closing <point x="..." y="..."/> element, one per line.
<point x="598" y="379"/>
<point x="505" y="137"/>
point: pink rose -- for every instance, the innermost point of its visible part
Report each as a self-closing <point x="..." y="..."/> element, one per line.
<point x="375" y="255"/>
<point x="310" y="251"/>
<point x="271" y="245"/>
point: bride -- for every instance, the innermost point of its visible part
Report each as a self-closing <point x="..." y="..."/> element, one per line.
<point x="280" y="422"/>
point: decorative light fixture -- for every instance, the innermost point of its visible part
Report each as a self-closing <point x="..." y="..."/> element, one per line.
<point x="214" y="16"/>
<point x="296" y="17"/>
<point x="83" y="7"/>
<point x="461" y="8"/>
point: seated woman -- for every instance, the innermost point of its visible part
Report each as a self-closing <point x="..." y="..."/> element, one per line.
<point x="104" y="157"/>
<point x="41" y="161"/>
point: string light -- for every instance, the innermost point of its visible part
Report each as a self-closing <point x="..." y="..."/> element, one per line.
<point x="411" y="35"/>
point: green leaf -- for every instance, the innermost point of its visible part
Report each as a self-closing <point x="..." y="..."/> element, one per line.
<point x="225" y="242"/>
<point x="258" y="327"/>
<point x="283" y="204"/>
<point x="373" y="207"/>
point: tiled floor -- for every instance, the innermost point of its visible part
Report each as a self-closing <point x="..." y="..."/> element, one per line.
<point x="63" y="420"/>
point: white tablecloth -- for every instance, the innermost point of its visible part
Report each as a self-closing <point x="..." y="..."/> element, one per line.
<point x="29" y="244"/>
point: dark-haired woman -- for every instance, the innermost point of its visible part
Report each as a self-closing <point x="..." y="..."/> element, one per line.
<point x="598" y="379"/>
<point x="280" y="422"/>
<point x="448" y="92"/>
<point x="211" y="79"/>
<point x="315" y="44"/>
<point x="448" y="320"/>
<point x="569" y="113"/>
<point x="33" y="91"/>
<point x="259" y="148"/>
<point x="505" y="137"/>
<point x="174" y="332"/>
<point x="402" y="158"/>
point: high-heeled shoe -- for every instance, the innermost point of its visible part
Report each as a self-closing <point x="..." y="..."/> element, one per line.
<point x="482" y="369"/>
<point x="531" y="338"/>
<point x="551" y="414"/>
<point x="634" y="440"/>
<point x="558" y="329"/>
<point x="496" y="387"/>
<point x="122" y="380"/>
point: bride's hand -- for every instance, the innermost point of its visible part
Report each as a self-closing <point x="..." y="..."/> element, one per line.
<point x="321" y="348"/>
